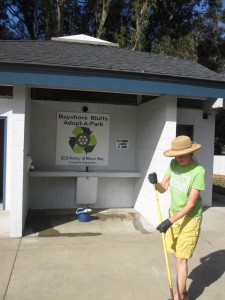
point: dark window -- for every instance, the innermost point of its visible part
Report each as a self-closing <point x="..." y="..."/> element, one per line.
<point x="185" y="130"/>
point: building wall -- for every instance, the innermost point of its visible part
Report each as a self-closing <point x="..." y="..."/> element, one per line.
<point x="219" y="165"/>
<point x="156" y="127"/>
<point x="18" y="197"/>
<point x="61" y="192"/>
<point x="150" y="127"/>
<point x="6" y="111"/>
<point x="26" y="154"/>
<point x="17" y="147"/>
<point x="204" y="134"/>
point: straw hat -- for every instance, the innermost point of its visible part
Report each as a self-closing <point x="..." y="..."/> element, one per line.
<point x="182" y="145"/>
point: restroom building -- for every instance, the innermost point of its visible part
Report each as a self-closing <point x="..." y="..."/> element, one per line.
<point x="83" y="122"/>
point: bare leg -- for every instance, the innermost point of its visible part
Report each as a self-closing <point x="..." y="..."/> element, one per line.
<point x="182" y="273"/>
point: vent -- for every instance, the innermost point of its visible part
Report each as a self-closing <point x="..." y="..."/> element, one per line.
<point x="84" y="39"/>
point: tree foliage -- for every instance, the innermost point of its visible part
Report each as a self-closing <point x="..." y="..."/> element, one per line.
<point x="210" y="35"/>
<point x="191" y="29"/>
<point x="142" y="11"/>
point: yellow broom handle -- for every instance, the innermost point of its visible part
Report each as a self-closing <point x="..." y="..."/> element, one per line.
<point x="164" y="244"/>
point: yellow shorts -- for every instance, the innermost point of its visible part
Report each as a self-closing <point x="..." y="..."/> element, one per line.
<point x="182" y="236"/>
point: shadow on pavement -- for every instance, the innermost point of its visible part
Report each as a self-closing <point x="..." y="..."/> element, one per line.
<point x="210" y="270"/>
<point x="43" y="222"/>
<point x="218" y="200"/>
<point x="46" y="223"/>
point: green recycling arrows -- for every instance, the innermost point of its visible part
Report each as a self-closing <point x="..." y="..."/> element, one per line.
<point x="83" y="140"/>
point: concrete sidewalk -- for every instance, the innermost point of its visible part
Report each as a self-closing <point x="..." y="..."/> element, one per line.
<point x="118" y="255"/>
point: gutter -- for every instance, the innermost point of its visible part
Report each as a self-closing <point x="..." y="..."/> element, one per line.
<point x="88" y="79"/>
<point x="132" y="74"/>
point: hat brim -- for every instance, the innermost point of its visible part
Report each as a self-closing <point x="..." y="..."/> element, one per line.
<point x="172" y="153"/>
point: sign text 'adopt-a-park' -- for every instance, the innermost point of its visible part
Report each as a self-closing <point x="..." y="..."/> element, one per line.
<point x="82" y="139"/>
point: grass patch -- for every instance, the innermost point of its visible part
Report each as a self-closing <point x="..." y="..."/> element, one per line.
<point x="219" y="184"/>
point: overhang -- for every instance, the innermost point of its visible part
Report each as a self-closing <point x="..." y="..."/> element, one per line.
<point x="92" y="80"/>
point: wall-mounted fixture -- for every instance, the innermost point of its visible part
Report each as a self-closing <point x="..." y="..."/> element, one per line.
<point x="30" y="166"/>
<point x="85" y="109"/>
<point x="205" y="116"/>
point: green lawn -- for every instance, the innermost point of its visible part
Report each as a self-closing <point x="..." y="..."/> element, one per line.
<point x="219" y="184"/>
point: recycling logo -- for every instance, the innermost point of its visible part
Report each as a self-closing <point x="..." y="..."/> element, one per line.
<point x="83" y="140"/>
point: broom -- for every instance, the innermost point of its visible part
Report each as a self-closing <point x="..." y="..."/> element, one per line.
<point x="163" y="238"/>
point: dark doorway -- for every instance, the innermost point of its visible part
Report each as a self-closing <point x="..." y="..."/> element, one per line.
<point x="2" y="161"/>
<point x="185" y="130"/>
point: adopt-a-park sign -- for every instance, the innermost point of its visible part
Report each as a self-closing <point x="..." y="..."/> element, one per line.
<point x="82" y="139"/>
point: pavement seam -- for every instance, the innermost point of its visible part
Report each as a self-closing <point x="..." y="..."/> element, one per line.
<point x="4" y="297"/>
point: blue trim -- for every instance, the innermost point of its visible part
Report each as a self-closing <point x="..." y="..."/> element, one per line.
<point x="139" y="84"/>
<point x="4" y="159"/>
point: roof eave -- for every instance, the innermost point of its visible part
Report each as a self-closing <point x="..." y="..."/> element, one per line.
<point x="108" y="80"/>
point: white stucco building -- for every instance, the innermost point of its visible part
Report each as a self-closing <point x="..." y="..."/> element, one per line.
<point x="133" y="103"/>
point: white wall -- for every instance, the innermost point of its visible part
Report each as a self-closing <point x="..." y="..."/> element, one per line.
<point x="26" y="153"/>
<point x="43" y="133"/>
<point x="203" y="134"/>
<point x="219" y="165"/>
<point x="156" y="127"/>
<point x="6" y="111"/>
<point x="16" y="180"/>
<point x="115" y="192"/>
<point x="61" y="192"/>
<point x="17" y="154"/>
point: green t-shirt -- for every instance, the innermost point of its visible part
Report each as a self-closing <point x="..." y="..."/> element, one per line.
<point x="182" y="180"/>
